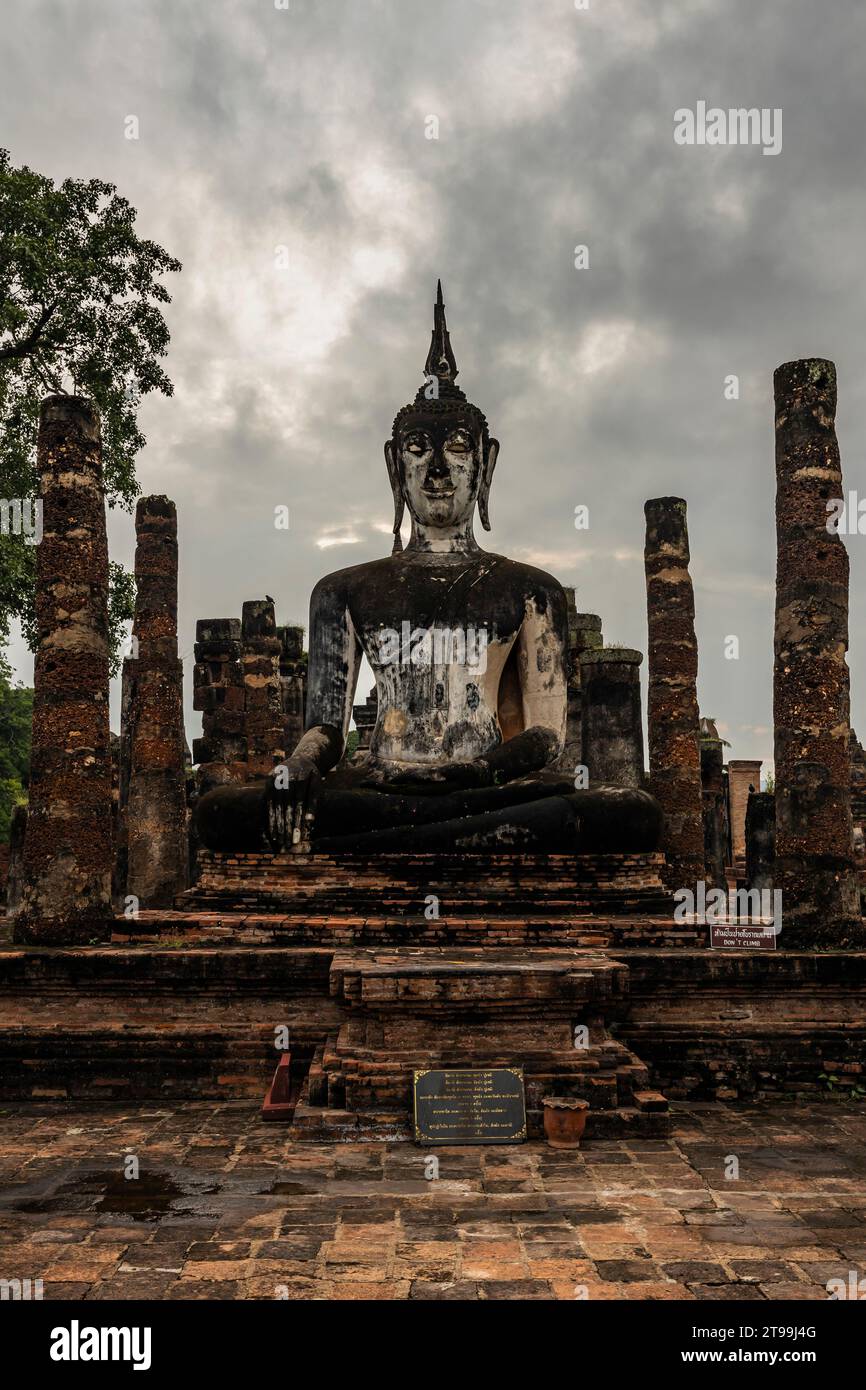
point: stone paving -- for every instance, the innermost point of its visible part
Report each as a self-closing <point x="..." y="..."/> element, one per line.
<point x="226" y="1207"/>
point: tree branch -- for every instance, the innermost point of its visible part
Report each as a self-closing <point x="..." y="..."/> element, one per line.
<point x="26" y="346"/>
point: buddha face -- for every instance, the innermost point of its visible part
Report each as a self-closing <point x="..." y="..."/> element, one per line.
<point x="440" y="470"/>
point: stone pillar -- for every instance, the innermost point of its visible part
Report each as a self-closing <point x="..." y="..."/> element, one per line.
<point x="365" y="719"/>
<point x="714" y="804"/>
<point x="156" y="815"/>
<point x="744" y="776"/>
<point x="814" y="851"/>
<point x="261" y="650"/>
<point x="66" y="876"/>
<point x="293" y="685"/>
<point x="584" y="633"/>
<point x="218" y="691"/>
<point x="672" y="704"/>
<point x="612" y="734"/>
<point x="760" y="831"/>
<point x="858" y="809"/>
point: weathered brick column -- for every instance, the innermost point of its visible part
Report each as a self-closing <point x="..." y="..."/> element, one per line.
<point x="672" y="703"/>
<point x="584" y="634"/>
<point x="814" y="851"/>
<point x="293" y="684"/>
<point x="714" y="804"/>
<point x="156" y="813"/>
<point x="218" y="691"/>
<point x="612" y="735"/>
<point x="261" y="650"/>
<point x="67" y="862"/>
<point x="760" y="841"/>
<point x="744" y="777"/>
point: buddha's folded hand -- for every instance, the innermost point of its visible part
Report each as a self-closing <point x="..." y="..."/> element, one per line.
<point x="292" y="793"/>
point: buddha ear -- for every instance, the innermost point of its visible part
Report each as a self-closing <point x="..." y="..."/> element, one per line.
<point x="397" y="490"/>
<point x="487" y="467"/>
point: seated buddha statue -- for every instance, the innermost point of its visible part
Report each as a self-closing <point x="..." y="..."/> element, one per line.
<point x="468" y="651"/>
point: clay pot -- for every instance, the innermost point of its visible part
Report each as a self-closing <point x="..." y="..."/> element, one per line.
<point x="564" y="1121"/>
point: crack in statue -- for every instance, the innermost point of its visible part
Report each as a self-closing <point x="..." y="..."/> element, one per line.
<point x="459" y="753"/>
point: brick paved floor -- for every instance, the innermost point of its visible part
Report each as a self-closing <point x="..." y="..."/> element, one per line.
<point x="226" y="1207"/>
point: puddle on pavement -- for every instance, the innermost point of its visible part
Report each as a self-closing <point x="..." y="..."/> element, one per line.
<point x="145" y="1198"/>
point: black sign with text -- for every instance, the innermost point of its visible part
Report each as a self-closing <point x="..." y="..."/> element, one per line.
<point x="470" y="1107"/>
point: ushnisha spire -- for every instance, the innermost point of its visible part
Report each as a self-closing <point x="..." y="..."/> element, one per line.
<point x="439" y="394"/>
<point x="440" y="359"/>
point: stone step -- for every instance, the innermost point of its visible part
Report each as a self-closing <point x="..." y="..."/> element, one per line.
<point x="505" y="885"/>
<point x="106" y="1060"/>
<point x="244" y="927"/>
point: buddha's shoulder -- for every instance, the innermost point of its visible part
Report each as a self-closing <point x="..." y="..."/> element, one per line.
<point x="346" y="580"/>
<point x="528" y="578"/>
<point x="493" y="569"/>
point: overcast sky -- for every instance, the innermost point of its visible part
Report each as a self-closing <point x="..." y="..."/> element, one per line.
<point x="306" y="129"/>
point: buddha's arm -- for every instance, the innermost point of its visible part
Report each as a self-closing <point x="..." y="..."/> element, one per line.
<point x="541" y="671"/>
<point x="334" y="661"/>
<point x="332" y="676"/>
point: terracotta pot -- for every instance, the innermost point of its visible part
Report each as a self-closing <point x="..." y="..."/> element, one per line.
<point x="564" y="1121"/>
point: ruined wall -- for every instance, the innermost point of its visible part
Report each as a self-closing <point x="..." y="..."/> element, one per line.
<point x="250" y="683"/>
<point x="218" y="692"/>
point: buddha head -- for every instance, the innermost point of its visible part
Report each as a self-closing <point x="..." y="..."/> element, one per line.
<point x="440" y="455"/>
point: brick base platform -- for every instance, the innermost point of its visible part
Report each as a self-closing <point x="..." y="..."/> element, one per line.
<point x="151" y="1022"/>
<point x="416" y="1009"/>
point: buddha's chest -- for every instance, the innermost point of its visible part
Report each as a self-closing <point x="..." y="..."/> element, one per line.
<point x="444" y="613"/>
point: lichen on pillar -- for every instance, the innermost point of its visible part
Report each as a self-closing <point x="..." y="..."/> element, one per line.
<point x="68" y="852"/>
<point x="156" y="810"/>
<point x="811" y="713"/>
<point x="672" y="701"/>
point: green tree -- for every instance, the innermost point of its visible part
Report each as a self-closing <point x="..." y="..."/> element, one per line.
<point x="16" y="706"/>
<point x="80" y="311"/>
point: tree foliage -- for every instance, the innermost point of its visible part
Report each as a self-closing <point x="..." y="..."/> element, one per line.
<point x="80" y="311"/>
<point x="16" y="706"/>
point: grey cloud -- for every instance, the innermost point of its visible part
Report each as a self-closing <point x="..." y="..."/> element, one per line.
<point x="306" y="128"/>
